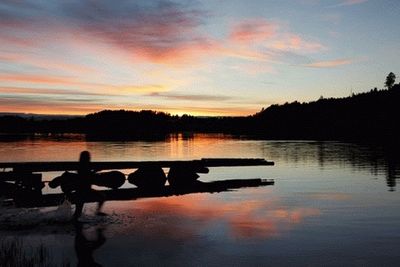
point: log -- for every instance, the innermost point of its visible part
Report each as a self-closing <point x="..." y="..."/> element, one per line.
<point x="70" y="181"/>
<point x="148" y="177"/>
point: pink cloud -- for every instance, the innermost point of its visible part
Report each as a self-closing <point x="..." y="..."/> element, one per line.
<point x="350" y="3"/>
<point x="159" y="31"/>
<point x="162" y="31"/>
<point x="253" y="30"/>
<point x="296" y="43"/>
<point x="260" y="40"/>
<point x="329" y="63"/>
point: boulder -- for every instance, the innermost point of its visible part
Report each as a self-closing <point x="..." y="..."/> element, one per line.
<point x="148" y="177"/>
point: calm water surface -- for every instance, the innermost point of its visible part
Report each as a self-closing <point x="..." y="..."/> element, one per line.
<point x="333" y="204"/>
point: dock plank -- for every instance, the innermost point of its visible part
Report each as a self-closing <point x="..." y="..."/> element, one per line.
<point x="119" y="165"/>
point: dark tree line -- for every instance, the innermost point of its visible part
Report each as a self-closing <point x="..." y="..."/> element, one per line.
<point x="370" y="115"/>
<point x="364" y="116"/>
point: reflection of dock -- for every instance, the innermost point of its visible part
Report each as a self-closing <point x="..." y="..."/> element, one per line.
<point x="22" y="181"/>
<point x="166" y="191"/>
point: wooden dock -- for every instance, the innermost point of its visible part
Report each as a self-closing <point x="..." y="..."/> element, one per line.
<point x="22" y="181"/>
<point x="120" y="165"/>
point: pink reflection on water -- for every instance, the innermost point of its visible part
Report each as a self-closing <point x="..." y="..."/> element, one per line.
<point x="188" y="216"/>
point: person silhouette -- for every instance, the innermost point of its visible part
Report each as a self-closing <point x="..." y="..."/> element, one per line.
<point x="84" y="247"/>
<point x="84" y="191"/>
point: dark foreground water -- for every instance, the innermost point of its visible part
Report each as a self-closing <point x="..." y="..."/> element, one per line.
<point x="333" y="204"/>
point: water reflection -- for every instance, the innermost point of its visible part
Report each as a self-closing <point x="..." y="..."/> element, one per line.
<point x="376" y="159"/>
<point x="85" y="247"/>
<point x="327" y="201"/>
<point x="185" y="217"/>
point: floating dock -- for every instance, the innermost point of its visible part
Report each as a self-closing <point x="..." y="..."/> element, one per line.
<point x="21" y="182"/>
<point x="120" y="165"/>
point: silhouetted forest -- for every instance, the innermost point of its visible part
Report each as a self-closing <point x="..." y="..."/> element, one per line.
<point x="362" y="116"/>
<point x="365" y="116"/>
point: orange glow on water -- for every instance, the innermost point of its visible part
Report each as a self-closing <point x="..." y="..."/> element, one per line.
<point x="244" y="218"/>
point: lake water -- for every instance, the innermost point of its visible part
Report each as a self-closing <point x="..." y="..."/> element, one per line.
<point x="333" y="204"/>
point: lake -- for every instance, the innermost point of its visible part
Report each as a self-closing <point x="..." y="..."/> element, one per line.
<point x="333" y="204"/>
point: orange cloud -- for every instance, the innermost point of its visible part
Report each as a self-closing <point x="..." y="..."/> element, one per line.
<point x="329" y="63"/>
<point x="74" y="82"/>
<point x="211" y="110"/>
<point x="32" y="78"/>
<point x="44" y="106"/>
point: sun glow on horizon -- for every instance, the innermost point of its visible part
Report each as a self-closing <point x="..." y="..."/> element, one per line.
<point x="183" y="57"/>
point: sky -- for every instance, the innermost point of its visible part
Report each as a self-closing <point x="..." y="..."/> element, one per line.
<point x="208" y="58"/>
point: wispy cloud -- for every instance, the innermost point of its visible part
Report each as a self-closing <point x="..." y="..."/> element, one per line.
<point x="42" y="105"/>
<point x="137" y="48"/>
<point x="349" y="3"/>
<point x="36" y="78"/>
<point x="329" y="63"/>
<point x="260" y="33"/>
<point x="157" y="30"/>
<point x="27" y="79"/>
<point x="137" y="89"/>
<point x="44" y="63"/>
<point x="191" y="97"/>
<point x="47" y="91"/>
<point x="253" y="30"/>
<point x="291" y="42"/>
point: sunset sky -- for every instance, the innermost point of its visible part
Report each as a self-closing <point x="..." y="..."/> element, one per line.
<point x="209" y="57"/>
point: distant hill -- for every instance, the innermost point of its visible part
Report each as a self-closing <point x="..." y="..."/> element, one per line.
<point x="40" y="116"/>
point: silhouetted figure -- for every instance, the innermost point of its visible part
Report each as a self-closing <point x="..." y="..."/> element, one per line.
<point x="84" y="247"/>
<point x="84" y="189"/>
